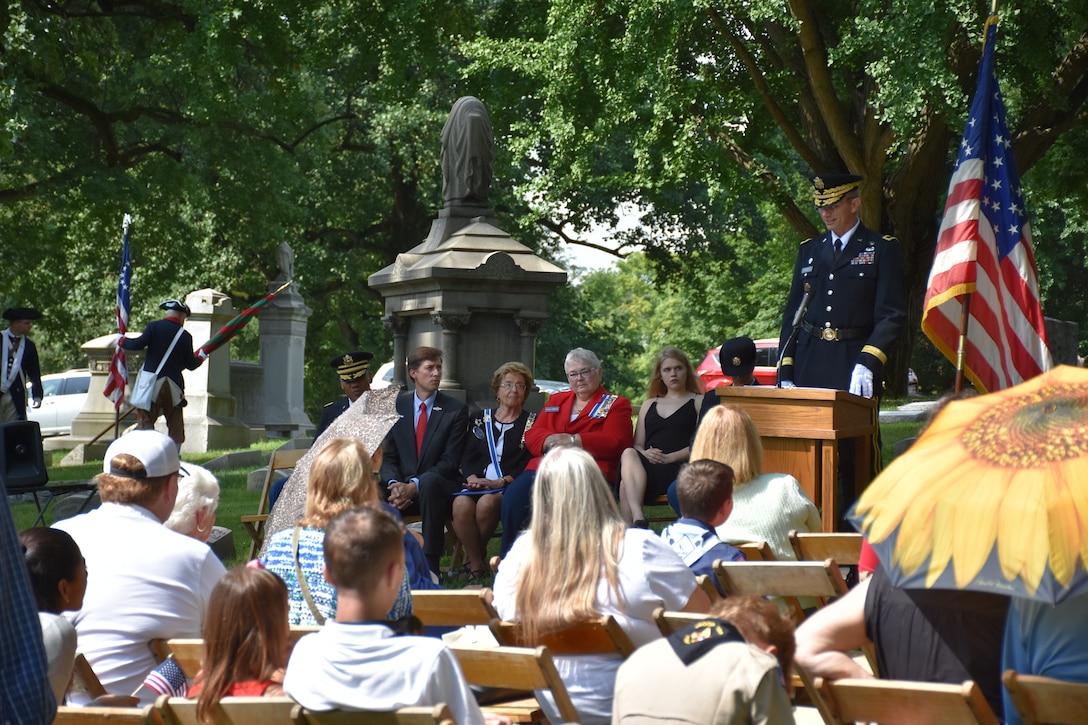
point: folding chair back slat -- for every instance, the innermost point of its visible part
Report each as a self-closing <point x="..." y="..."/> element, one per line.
<point x="1046" y="700"/>
<point x="594" y="637"/>
<point x="453" y="607"/>
<point x="437" y="715"/>
<point x="107" y="715"/>
<point x="899" y="702"/>
<point x="230" y="711"/>
<point x="844" y="548"/>
<point x="516" y="668"/>
<point x="757" y="551"/>
<point x="87" y="678"/>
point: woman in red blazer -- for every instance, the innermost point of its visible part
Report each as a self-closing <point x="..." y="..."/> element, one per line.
<point x="586" y="416"/>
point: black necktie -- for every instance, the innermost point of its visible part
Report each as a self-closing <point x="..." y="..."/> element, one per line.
<point x="838" y="247"/>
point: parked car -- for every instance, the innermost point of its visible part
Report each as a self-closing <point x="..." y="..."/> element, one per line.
<point x="63" y="395"/>
<point x="547" y="387"/>
<point x="710" y="369"/>
<point x="383" y="376"/>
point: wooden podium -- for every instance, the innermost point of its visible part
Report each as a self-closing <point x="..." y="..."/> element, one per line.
<point x="800" y="429"/>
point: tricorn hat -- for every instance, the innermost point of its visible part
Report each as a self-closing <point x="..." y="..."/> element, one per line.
<point x="829" y="188"/>
<point x="352" y="365"/>
<point x="176" y="305"/>
<point x="21" y="313"/>
<point x="738" y="357"/>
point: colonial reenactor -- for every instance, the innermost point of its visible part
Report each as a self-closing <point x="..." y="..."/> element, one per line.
<point x="18" y="364"/>
<point x="353" y="368"/>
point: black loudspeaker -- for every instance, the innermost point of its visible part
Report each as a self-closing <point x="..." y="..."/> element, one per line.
<point x="22" y="460"/>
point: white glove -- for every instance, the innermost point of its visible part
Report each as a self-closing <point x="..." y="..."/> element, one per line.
<point x="202" y="355"/>
<point x="861" y="381"/>
<point x="786" y="384"/>
<point x="35" y="403"/>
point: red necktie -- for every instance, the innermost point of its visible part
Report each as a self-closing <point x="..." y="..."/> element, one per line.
<point x="421" y="428"/>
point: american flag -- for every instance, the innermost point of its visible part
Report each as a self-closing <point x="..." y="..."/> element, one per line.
<point x="167" y="679"/>
<point x="118" y="376"/>
<point x="984" y="250"/>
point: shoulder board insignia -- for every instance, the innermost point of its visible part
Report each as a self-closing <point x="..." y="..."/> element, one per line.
<point x="890" y="238"/>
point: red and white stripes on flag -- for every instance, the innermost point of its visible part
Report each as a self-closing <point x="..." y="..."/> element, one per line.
<point x="118" y="375"/>
<point x="984" y="250"/>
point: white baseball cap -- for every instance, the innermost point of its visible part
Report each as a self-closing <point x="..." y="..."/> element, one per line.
<point x="157" y="453"/>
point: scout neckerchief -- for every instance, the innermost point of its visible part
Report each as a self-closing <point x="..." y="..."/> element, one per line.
<point x="16" y="365"/>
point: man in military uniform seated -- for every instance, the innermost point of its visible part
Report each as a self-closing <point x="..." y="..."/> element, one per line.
<point x="849" y="282"/>
<point x="354" y="371"/>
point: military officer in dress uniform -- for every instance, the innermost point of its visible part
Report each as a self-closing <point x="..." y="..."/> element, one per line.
<point x="850" y="280"/>
<point x="354" y="371"/>
<point x="849" y="299"/>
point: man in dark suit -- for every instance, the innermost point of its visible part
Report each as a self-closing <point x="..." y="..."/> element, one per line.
<point x="167" y="338"/>
<point x="18" y="364"/>
<point x="850" y="282"/>
<point x="354" y="371"/>
<point x="423" y="450"/>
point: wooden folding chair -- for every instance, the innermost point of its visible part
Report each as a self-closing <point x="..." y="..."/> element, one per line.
<point x="453" y="607"/>
<point x="82" y="671"/>
<point x="602" y="636"/>
<point x="516" y="668"/>
<point x="899" y="702"/>
<point x="844" y="548"/>
<point x="254" y="523"/>
<point x="437" y="715"/>
<point x="1046" y="700"/>
<point x="92" y="715"/>
<point x="229" y="711"/>
<point x="707" y="585"/>
<point x="757" y="551"/>
<point x="787" y="579"/>
<point x="188" y="653"/>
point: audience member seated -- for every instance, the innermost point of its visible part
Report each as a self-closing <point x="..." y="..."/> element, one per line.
<point x="926" y="635"/>
<point x="246" y="640"/>
<point x="198" y="499"/>
<point x="355" y="662"/>
<point x="586" y="417"/>
<point x="341" y="478"/>
<point x="737" y="358"/>
<point x="423" y="451"/>
<point x="1046" y="640"/>
<point x="147" y="582"/>
<point x="578" y="561"/>
<point x="705" y="489"/>
<point x="766" y="506"/>
<point x="666" y="423"/>
<point x="58" y="575"/>
<point x="732" y="668"/>
<point x="495" y="454"/>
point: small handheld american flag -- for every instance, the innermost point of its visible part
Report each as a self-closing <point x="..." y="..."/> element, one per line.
<point x="167" y="679"/>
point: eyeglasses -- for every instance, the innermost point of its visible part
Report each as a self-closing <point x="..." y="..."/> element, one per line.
<point x="583" y="373"/>
<point x="512" y="386"/>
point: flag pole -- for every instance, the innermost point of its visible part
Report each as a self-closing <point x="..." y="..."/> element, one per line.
<point x="961" y="350"/>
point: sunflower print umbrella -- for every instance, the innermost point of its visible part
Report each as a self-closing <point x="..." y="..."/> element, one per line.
<point x="993" y="496"/>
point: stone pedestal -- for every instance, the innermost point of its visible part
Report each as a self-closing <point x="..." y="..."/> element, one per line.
<point x="283" y="356"/>
<point x="209" y="417"/>
<point x="478" y="295"/>
<point x="96" y="419"/>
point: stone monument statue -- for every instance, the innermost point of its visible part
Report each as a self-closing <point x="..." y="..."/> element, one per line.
<point x="468" y="153"/>
<point x="285" y="258"/>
